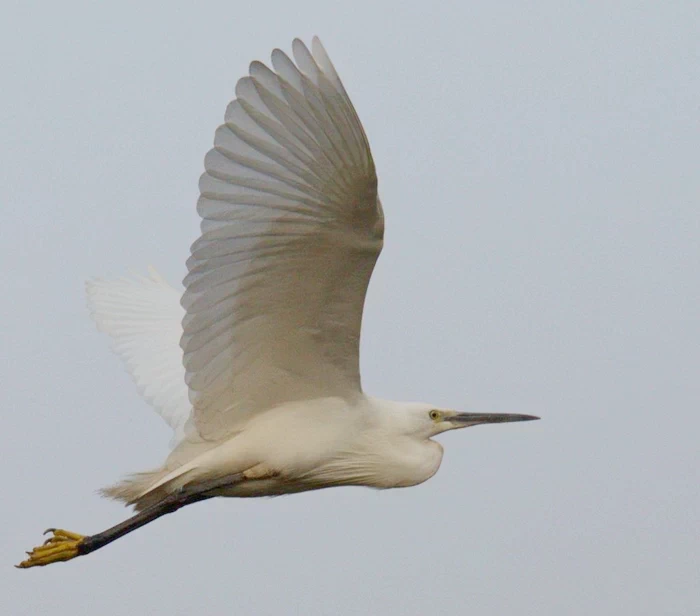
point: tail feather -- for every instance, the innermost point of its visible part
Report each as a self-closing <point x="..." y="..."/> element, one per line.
<point x="136" y="489"/>
<point x="185" y="463"/>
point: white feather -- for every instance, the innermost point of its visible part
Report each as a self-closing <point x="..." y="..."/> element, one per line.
<point x="291" y="230"/>
<point x="143" y="316"/>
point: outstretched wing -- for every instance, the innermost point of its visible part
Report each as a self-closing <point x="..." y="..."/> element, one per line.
<point x="143" y="317"/>
<point x="291" y="230"/>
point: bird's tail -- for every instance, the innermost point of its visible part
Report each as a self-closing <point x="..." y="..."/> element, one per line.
<point x="139" y="489"/>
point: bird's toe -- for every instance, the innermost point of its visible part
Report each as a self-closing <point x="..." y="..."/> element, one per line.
<point x="60" y="546"/>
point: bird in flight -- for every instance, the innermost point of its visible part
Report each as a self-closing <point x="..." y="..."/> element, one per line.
<point x="256" y="365"/>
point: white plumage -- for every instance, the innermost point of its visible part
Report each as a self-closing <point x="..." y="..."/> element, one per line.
<point x="144" y="318"/>
<point x="291" y="229"/>
<point x="257" y="371"/>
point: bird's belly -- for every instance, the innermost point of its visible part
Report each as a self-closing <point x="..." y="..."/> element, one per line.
<point x="272" y="486"/>
<point x="296" y="443"/>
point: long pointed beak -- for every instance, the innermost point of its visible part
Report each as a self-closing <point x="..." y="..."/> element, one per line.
<point x="463" y="420"/>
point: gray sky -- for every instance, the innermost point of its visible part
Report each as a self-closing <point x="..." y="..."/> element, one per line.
<point x="538" y="165"/>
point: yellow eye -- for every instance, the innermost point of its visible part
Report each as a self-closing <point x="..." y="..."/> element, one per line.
<point x="435" y="415"/>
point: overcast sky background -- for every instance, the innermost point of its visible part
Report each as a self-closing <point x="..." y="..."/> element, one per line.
<point x="538" y="165"/>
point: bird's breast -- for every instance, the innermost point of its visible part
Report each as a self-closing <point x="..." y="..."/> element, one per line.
<point x="409" y="462"/>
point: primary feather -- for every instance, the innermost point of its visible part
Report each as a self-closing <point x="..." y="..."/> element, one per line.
<point x="291" y="231"/>
<point x="143" y="316"/>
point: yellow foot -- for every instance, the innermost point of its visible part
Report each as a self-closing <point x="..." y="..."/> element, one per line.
<point x="62" y="545"/>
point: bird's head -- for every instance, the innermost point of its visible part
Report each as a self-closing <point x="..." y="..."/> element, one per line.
<point x="427" y="420"/>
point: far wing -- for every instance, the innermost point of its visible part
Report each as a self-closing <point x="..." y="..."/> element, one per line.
<point x="291" y="230"/>
<point x="143" y="317"/>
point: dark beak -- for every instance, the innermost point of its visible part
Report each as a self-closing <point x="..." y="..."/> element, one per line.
<point x="463" y="420"/>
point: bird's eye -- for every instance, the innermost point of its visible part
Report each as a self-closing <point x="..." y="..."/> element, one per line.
<point x="434" y="415"/>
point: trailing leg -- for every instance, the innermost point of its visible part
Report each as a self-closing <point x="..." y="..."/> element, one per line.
<point x="64" y="545"/>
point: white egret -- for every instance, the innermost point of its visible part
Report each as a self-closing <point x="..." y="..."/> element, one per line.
<point x="257" y="367"/>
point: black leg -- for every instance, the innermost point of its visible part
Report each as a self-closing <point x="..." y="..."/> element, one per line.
<point x="64" y="545"/>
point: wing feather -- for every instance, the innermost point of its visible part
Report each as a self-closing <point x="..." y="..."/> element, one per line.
<point x="291" y="230"/>
<point x="142" y="315"/>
